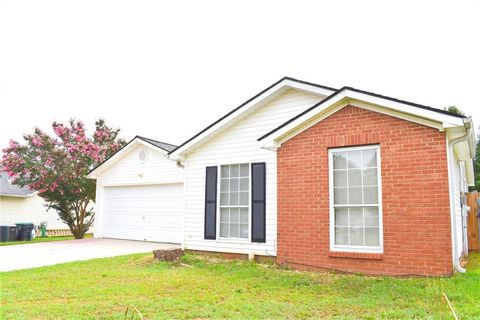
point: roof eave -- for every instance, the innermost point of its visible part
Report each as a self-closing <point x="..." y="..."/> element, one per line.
<point x="180" y="152"/>
<point x="425" y="115"/>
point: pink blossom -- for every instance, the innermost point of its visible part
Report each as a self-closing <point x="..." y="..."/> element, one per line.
<point x="37" y="142"/>
<point x="59" y="130"/>
<point x="71" y="148"/>
<point x="13" y="143"/>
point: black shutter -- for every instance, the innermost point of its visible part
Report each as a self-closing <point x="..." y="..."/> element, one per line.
<point x="258" y="202"/>
<point x="210" y="203"/>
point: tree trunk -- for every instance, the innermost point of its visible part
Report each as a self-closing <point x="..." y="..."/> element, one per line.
<point x="74" y="216"/>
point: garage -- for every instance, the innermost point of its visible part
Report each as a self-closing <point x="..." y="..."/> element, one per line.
<point x="139" y="194"/>
<point x="148" y="212"/>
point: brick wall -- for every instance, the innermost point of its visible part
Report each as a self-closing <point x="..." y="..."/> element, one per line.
<point x="416" y="212"/>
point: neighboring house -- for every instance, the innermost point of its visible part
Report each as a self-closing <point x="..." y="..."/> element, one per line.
<point x="19" y="204"/>
<point x="317" y="177"/>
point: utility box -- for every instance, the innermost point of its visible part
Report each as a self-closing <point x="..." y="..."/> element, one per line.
<point x="8" y="233"/>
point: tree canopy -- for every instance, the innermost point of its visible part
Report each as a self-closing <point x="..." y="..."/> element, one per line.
<point x="56" y="167"/>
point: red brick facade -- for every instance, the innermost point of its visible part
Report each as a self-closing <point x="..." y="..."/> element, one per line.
<point x="416" y="211"/>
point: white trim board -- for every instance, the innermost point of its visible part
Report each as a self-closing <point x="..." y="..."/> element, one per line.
<point x="263" y="97"/>
<point x="346" y="97"/>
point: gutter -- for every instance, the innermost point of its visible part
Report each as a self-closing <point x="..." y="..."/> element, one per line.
<point x="467" y="136"/>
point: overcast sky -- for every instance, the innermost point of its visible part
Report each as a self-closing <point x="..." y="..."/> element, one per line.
<point x="166" y="69"/>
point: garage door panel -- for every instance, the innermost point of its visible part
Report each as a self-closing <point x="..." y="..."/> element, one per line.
<point x="152" y="213"/>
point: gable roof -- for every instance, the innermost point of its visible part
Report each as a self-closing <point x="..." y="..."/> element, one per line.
<point x="163" y="147"/>
<point x="269" y="91"/>
<point x="9" y="189"/>
<point x="375" y="95"/>
<point x="329" y="92"/>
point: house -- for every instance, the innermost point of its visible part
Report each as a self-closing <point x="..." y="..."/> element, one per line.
<point x="317" y="177"/>
<point x="20" y="204"/>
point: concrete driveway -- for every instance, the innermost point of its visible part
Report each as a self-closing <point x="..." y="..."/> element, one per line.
<point x="24" y="256"/>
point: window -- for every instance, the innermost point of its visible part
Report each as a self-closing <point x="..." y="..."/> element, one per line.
<point x="234" y="200"/>
<point x="355" y="194"/>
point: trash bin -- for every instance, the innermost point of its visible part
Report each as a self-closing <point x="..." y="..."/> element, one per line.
<point x="8" y="233"/>
<point x="24" y="231"/>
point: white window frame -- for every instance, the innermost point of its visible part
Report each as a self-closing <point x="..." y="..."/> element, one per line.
<point x="219" y="206"/>
<point x="350" y="248"/>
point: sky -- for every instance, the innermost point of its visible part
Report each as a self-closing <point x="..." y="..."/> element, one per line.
<point x="167" y="69"/>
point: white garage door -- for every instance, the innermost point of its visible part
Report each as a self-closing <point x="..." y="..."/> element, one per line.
<point x="151" y="213"/>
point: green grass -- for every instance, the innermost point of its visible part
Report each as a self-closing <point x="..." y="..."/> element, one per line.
<point x="217" y="288"/>
<point x="36" y="240"/>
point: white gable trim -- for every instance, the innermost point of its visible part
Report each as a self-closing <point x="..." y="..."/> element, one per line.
<point x="269" y="93"/>
<point x="119" y="154"/>
<point x="345" y="97"/>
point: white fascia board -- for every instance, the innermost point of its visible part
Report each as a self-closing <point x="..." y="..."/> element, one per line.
<point x="179" y="154"/>
<point x="372" y="103"/>
<point x="445" y="119"/>
<point x="109" y="162"/>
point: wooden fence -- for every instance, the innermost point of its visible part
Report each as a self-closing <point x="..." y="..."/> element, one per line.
<point x="472" y="222"/>
<point x="55" y="232"/>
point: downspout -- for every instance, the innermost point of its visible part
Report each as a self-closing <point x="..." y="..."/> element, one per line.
<point x="465" y="137"/>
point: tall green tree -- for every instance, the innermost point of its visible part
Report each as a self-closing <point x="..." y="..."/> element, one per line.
<point x="476" y="163"/>
<point x="454" y="109"/>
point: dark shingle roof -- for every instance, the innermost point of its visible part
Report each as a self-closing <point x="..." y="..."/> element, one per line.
<point x="364" y="92"/>
<point x="8" y="189"/>
<point x="162" y="145"/>
<point x="334" y="92"/>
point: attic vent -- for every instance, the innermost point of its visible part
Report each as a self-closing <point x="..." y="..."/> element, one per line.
<point x="143" y="155"/>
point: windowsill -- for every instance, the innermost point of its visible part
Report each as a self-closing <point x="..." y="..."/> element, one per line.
<point x="356" y="255"/>
<point x="233" y="240"/>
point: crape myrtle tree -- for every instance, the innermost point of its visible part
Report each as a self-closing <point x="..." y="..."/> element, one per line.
<point x="56" y="167"/>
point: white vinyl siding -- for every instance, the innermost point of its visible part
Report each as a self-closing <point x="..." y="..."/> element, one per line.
<point x="29" y="209"/>
<point x="238" y="144"/>
<point x="355" y="193"/>
<point x="131" y="171"/>
<point x="459" y="188"/>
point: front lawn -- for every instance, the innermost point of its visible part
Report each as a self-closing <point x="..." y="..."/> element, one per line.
<point x="46" y="239"/>
<point x="201" y="287"/>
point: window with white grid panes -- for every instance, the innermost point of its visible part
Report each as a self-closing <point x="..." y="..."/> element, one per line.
<point x="356" y="208"/>
<point x="234" y="201"/>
